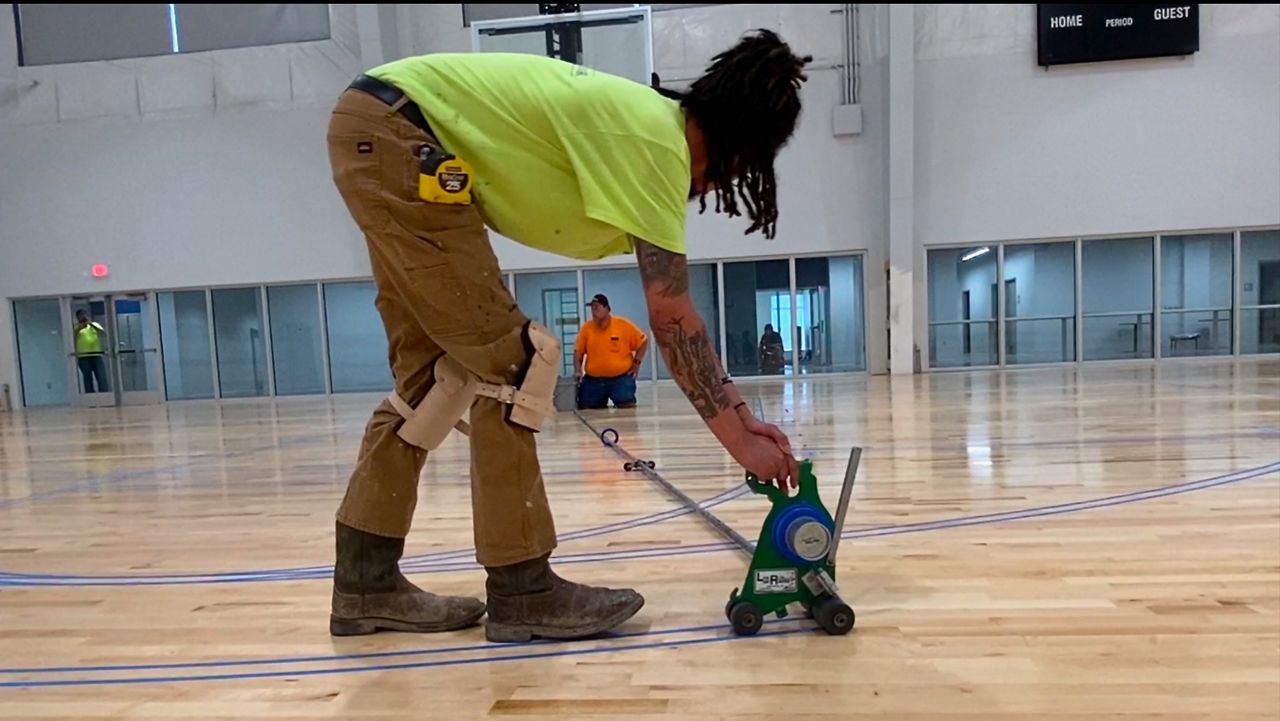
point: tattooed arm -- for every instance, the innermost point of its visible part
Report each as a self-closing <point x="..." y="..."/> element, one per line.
<point x="690" y="353"/>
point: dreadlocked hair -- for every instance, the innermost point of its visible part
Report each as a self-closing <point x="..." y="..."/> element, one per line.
<point x="746" y="104"/>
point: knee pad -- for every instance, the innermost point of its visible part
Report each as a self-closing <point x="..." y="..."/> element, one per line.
<point x="456" y="388"/>
<point x="441" y="410"/>
<point x="534" y="401"/>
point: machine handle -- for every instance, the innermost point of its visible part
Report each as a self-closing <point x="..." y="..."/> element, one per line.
<point x="842" y="507"/>
<point x="765" y="489"/>
<point x="806" y="483"/>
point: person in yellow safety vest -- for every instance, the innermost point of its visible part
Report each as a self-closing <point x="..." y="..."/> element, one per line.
<point x="90" y="354"/>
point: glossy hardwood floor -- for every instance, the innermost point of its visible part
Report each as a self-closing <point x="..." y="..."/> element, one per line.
<point x="1046" y="544"/>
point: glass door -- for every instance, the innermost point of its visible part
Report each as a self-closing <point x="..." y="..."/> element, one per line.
<point x="91" y="342"/>
<point x="136" y="355"/>
<point x="113" y="351"/>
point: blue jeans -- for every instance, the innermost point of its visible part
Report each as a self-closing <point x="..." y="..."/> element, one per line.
<point x="597" y="392"/>
<point x="93" y="367"/>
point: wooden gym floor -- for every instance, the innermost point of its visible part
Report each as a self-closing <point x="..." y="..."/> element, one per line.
<point x="1056" y="544"/>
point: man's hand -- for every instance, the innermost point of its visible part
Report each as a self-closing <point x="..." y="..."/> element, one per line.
<point x="765" y="459"/>
<point x="760" y="428"/>
<point x="638" y="358"/>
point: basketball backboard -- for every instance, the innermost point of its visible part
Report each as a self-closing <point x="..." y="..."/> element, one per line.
<point x="617" y="41"/>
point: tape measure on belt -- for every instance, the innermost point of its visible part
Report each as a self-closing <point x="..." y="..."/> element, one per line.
<point x="443" y="177"/>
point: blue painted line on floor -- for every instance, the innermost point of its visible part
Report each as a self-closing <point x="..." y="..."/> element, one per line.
<point x="719" y="637"/>
<point x="19" y="580"/>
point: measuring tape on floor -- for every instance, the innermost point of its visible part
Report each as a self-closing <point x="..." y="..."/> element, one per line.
<point x="609" y="438"/>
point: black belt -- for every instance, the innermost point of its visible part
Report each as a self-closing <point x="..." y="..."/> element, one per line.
<point x="391" y="95"/>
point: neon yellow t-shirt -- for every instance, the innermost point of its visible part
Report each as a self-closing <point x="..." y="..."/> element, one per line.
<point x="89" y="339"/>
<point x="568" y="160"/>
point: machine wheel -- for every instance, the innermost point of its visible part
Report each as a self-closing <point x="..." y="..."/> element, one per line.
<point x="627" y="466"/>
<point x="745" y="618"/>
<point x="651" y="464"/>
<point x="833" y="615"/>
<point x="608" y="436"/>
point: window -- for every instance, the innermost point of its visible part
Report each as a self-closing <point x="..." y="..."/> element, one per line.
<point x="963" y="300"/>
<point x="218" y="27"/>
<point x="1119" y="297"/>
<point x="1039" y="303"/>
<point x="185" y="345"/>
<point x="1260" y="291"/>
<point x="473" y="12"/>
<point x="238" y="342"/>
<point x="357" y="341"/>
<point x="49" y="34"/>
<point x="758" y="330"/>
<point x="1195" y="291"/>
<point x="829" y="314"/>
<point x="41" y="353"/>
<point x="297" y="353"/>
<point x="1167" y="296"/>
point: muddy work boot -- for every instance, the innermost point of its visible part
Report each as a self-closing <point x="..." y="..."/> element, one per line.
<point x="370" y="593"/>
<point x="527" y="599"/>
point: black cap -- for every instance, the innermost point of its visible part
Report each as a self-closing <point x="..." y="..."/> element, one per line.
<point x="602" y="299"/>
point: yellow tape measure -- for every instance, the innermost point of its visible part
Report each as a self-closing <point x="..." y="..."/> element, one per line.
<point x="443" y="178"/>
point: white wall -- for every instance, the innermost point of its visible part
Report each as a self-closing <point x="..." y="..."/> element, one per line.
<point x="172" y="203"/>
<point x="1008" y="150"/>
<point x="221" y="156"/>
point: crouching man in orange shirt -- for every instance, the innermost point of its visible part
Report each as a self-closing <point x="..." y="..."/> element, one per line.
<point x="614" y="349"/>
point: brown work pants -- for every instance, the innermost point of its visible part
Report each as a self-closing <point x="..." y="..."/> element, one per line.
<point x="439" y="291"/>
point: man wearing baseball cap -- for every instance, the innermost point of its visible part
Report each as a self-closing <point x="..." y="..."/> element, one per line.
<point x="613" y="348"/>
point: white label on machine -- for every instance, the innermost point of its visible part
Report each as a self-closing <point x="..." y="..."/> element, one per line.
<point x="780" y="581"/>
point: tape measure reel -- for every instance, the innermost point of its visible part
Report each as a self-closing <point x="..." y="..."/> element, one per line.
<point x="802" y="534"/>
<point x="443" y="178"/>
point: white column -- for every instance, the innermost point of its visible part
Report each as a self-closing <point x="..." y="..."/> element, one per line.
<point x="901" y="181"/>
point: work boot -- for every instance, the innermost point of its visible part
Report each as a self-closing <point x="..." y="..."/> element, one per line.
<point x="527" y="599"/>
<point x="370" y="593"/>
